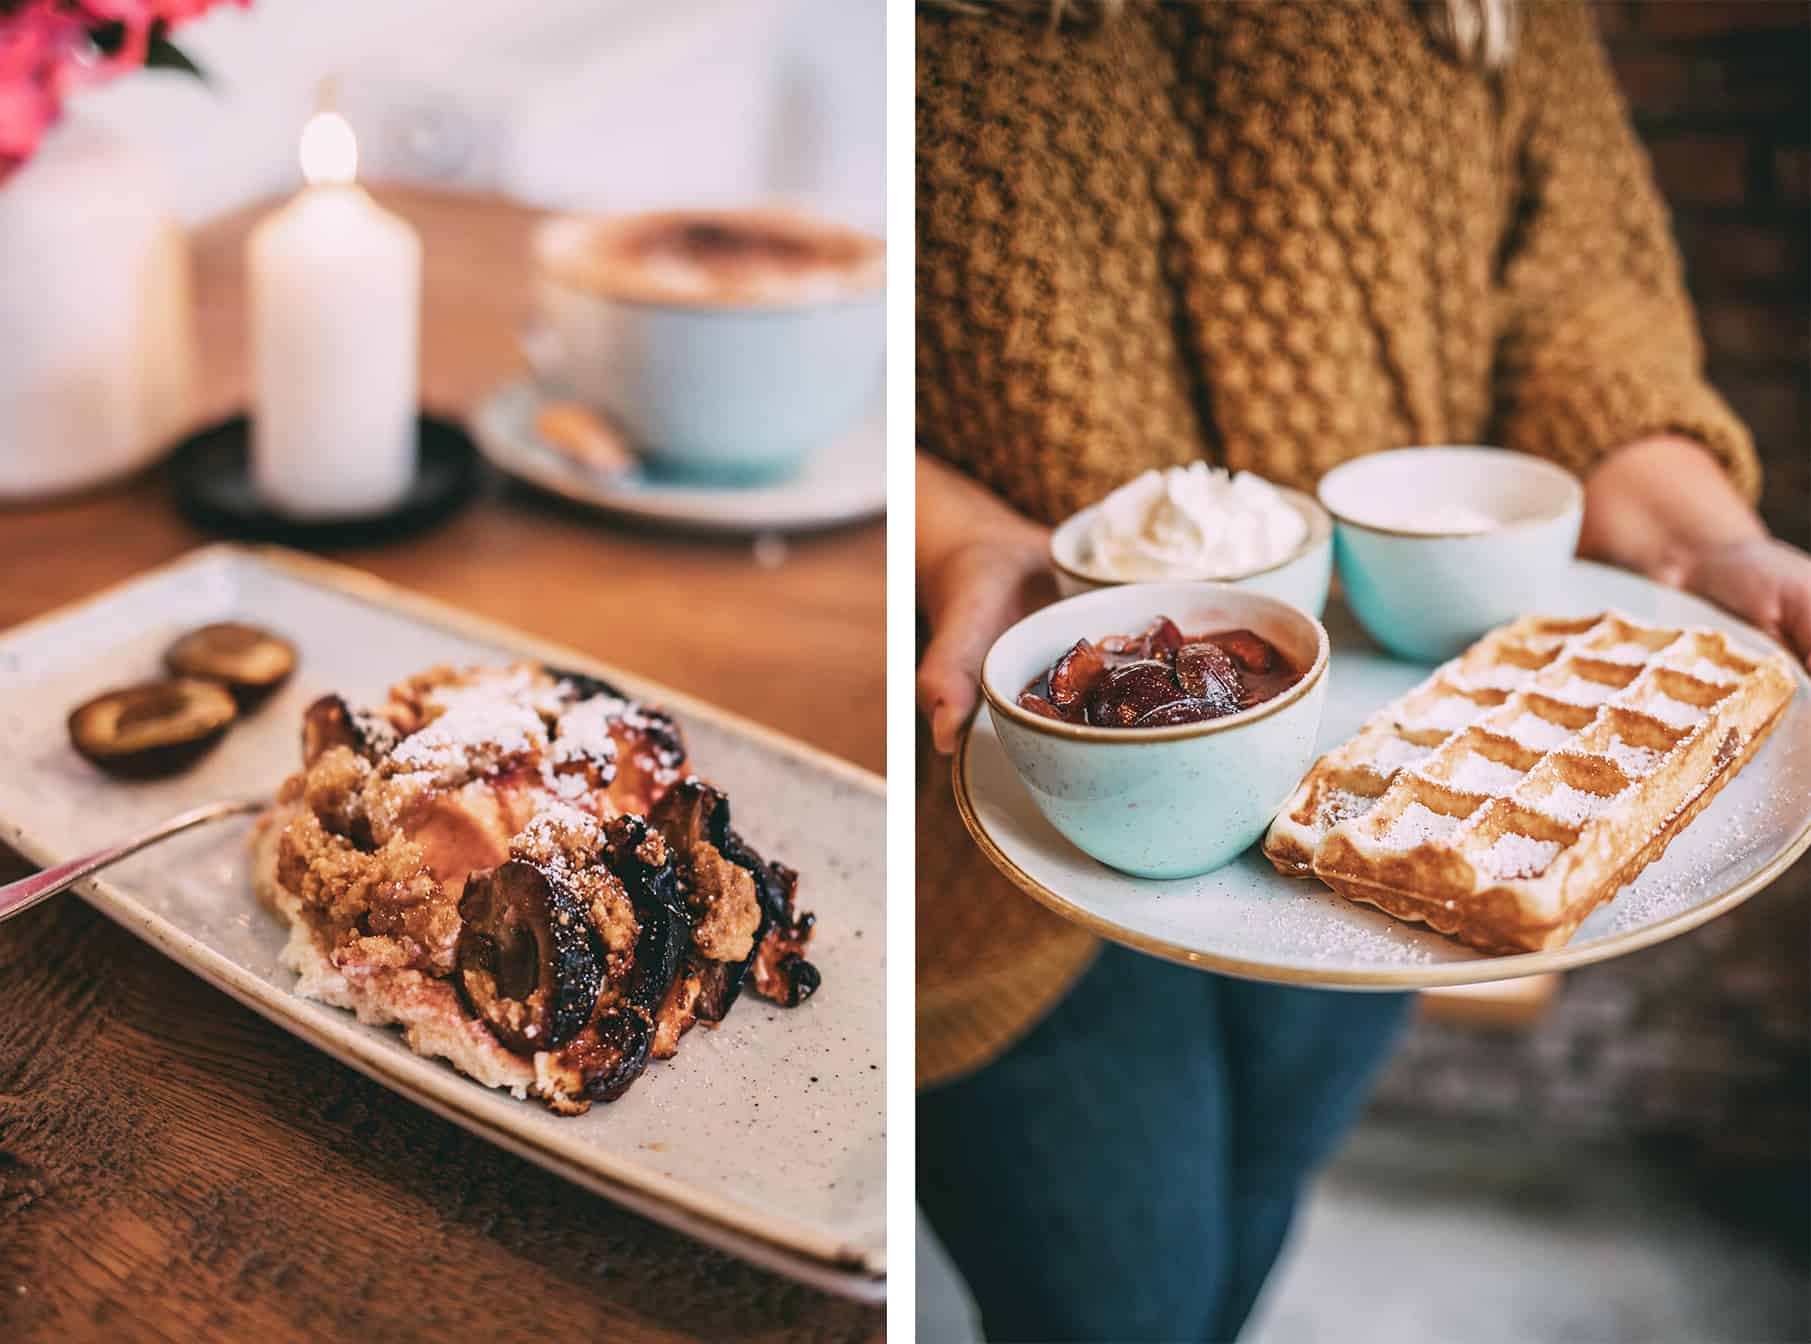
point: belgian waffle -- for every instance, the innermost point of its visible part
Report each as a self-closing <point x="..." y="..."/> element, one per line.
<point x="1526" y="781"/>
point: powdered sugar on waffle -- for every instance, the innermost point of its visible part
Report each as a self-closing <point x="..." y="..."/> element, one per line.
<point x="1582" y="691"/>
<point x="1516" y="855"/>
<point x="1417" y="825"/>
<point x="1537" y="734"/>
<point x="1632" y="760"/>
<point x="1574" y="807"/>
<point x="1447" y="714"/>
<point x="1674" y="713"/>
<point x="1395" y="753"/>
<point x="1363" y="854"/>
<point x="1479" y="774"/>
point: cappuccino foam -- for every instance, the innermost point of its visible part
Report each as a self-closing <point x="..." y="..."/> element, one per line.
<point x="727" y="257"/>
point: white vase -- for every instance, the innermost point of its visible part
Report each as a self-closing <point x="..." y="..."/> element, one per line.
<point x="96" y="315"/>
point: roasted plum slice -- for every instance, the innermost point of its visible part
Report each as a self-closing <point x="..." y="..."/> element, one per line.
<point x="692" y="813"/>
<point x="154" y="728"/>
<point x="782" y="974"/>
<point x="248" y="661"/>
<point x="1207" y="672"/>
<point x="1128" y="692"/>
<point x="1159" y="639"/>
<point x="529" y="963"/>
<point x="330" y="722"/>
<point x="1076" y="674"/>
<point x="1250" y="650"/>
<point x="643" y="863"/>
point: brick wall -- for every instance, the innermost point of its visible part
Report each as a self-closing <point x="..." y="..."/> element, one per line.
<point x="1706" y="1038"/>
<point x="1721" y="93"/>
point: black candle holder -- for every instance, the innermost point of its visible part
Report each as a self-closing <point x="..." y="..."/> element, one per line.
<point x="210" y="473"/>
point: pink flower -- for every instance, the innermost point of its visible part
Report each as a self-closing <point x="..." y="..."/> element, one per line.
<point x="37" y="43"/>
<point x="46" y="52"/>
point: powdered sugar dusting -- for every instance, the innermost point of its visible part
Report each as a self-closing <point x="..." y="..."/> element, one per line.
<point x="1475" y="773"/>
<point x="1536" y="733"/>
<point x="1704" y="669"/>
<point x="1629" y="653"/>
<point x="1447" y="714"/>
<point x="479" y="726"/>
<point x="1676" y="713"/>
<point x="1577" y="690"/>
<point x="1633" y="761"/>
<point x="1393" y="753"/>
<point x="1339" y="805"/>
<point x="1516" y="855"/>
<point x="1417" y="825"/>
<point x="1500" y="677"/>
<point x="1572" y="806"/>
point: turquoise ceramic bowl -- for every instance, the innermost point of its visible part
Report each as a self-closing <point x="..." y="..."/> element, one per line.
<point x="1160" y="802"/>
<point x="1427" y="595"/>
<point x="1300" y="578"/>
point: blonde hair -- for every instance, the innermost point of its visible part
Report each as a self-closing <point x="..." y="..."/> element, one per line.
<point x="1475" y="32"/>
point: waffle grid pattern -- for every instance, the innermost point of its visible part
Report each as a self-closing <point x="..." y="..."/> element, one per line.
<point x="1525" y="781"/>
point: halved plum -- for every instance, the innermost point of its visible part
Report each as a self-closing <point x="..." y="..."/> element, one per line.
<point x="249" y="661"/>
<point x="529" y="963"/>
<point x="154" y="728"/>
<point x="1129" y="692"/>
<point x="1207" y="672"/>
<point x="1076" y="674"/>
<point x="330" y="722"/>
<point x="1249" y="649"/>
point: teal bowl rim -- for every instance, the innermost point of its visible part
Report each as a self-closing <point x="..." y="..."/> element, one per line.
<point x="1077" y="732"/>
<point x="1320" y="531"/>
<point x="1575" y="490"/>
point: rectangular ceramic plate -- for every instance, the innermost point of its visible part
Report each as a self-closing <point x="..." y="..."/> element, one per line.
<point x="797" y="1184"/>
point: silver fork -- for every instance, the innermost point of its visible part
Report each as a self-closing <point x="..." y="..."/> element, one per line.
<point x="28" y="891"/>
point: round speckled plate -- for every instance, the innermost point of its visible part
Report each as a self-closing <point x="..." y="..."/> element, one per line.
<point x="1248" y="920"/>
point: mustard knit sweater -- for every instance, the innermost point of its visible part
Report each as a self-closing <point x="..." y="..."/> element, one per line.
<point x="1274" y="234"/>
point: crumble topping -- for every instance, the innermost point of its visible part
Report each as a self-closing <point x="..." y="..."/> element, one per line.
<point x="488" y="860"/>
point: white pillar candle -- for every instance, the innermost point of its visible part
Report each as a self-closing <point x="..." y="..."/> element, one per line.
<point x="335" y="288"/>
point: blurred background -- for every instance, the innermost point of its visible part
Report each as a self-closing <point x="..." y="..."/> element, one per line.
<point x="599" y="104"/>
<point x="1634" y="1133"/>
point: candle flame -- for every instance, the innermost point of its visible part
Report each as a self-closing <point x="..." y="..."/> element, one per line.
<point x="329" y="150"/>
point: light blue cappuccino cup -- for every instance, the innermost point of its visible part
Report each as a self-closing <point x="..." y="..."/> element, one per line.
<point x="730" y="392"/>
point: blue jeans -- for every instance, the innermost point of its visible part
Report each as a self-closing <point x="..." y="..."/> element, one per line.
<point x="1128" y="1170"/>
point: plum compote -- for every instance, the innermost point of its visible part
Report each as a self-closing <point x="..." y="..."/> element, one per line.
<point x="1160" y="677"/>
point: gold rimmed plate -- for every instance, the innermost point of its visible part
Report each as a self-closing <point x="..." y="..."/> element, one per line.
<point x="1248" y="920"/>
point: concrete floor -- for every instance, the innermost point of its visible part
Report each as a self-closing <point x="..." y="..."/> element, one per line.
<point x="1448" y="1239"/>
<point x="1504" y="1241"/>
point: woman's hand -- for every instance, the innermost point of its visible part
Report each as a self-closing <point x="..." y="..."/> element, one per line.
<point x="1664" y="507"/>
<point x="981" y="566"/>
<point x="1767" y="583"/>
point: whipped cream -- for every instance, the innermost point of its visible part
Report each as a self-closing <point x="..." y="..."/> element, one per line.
<point x="1193" y="522"/>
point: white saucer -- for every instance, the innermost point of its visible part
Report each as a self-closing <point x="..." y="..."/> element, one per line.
<point x="842" y="483"/>
<point x="1248" y="920"/>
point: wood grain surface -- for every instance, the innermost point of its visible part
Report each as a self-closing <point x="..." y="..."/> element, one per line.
<point x="172" y="1166"/>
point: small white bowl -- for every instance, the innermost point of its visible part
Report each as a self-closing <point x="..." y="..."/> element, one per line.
<point x="1300" y="578"/>
<point x="1426" y="595"/>
<point x="1160" y="802"/>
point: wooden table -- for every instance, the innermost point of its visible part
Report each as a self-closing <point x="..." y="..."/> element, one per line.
<point x="172" y="1166"/>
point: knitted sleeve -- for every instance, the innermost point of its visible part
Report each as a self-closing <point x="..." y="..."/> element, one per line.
<point x="1598" y="345"/>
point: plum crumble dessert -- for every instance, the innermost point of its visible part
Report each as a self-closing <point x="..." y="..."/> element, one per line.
<point x="516" y="866"/>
